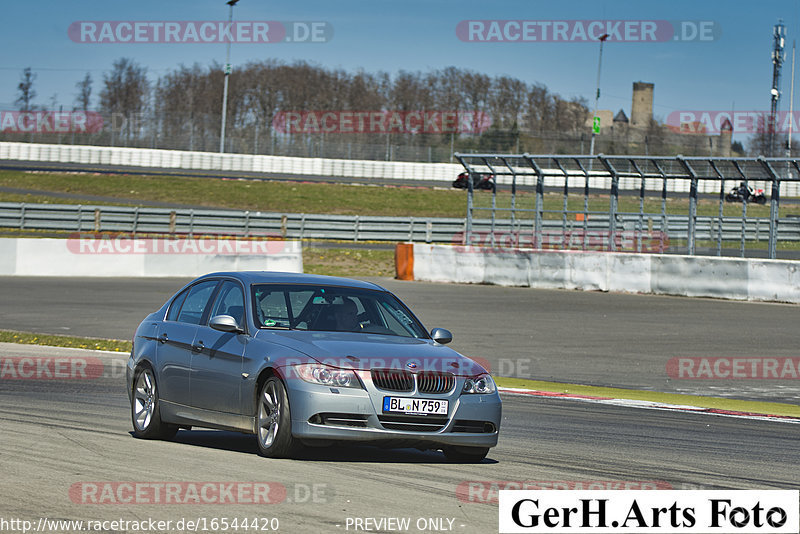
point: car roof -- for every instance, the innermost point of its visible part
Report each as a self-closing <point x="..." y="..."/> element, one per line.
<point x="273" y="277"/>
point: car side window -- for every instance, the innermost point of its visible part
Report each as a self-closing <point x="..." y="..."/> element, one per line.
<point x="230" y="301"/>
<point x="272" y="309"/>
<point x="196" y="302"/>
<point x="175" y="307"/>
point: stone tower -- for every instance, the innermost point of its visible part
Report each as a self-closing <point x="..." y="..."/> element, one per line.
<point x="725" y="135"/>
<point x="642" y="106"/>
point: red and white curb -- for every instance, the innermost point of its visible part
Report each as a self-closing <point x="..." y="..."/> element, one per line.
<point x="651" y="405"/>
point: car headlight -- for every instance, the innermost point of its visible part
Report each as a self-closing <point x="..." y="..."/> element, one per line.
<point x="479" y="384"/>
<point x="328" y="376"/>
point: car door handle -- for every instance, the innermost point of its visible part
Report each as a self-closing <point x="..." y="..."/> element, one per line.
<point x="198" y="347"/>
<point x="163" y="338"/>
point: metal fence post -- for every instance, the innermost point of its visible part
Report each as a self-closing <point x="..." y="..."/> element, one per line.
<point x="721" y="202"/>
<point x="690" y="238"/>
<point x="564" y="204"/>
<point x="537" y="220"/>
<point x="774" y="205"/>
<point x="468" y="228"/>
<point x="613" y="202"/>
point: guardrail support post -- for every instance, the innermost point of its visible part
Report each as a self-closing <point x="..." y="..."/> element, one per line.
<point x="97" y="220"/>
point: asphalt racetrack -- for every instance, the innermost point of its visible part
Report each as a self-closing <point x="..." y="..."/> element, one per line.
<point x="66" y="446"/>
<point x="66" y="452"/>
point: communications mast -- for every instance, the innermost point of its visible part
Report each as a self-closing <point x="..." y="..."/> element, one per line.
<point x="778" y="56"/>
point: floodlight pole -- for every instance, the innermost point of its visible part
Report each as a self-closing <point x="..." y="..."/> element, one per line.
<point x="231" y="3"/>
<point x="597" y="92"/>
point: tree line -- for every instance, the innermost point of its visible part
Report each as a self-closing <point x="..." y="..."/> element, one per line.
<point x="182" y="109"/>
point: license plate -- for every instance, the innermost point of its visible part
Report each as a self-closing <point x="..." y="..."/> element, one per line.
<point x="414" y="406"/>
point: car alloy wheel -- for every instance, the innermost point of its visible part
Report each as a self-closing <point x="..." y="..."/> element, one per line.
<point x="274" y="429"/>
<point x="145" y="413"/>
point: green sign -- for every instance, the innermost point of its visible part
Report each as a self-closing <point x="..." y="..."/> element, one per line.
<point x="596" y="125"/>
<point x="227" y="68"/>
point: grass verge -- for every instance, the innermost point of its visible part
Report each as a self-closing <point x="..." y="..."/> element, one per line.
<point x="348" y="262"/>
<point x="759" y="407"/>
<point x="328" y="198"/>
<point x="27" y="338"/>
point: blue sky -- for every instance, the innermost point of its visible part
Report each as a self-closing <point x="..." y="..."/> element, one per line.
<point x="733" y="71"/>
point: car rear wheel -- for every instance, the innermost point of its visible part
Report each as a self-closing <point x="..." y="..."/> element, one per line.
<point x="145" y="409"/>
<point x="274" y="430"/>
<point x="470" y="455"/>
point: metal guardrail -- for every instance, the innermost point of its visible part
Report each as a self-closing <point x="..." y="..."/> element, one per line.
<point x="651" y="232"/>
<point x="685" y="176"/>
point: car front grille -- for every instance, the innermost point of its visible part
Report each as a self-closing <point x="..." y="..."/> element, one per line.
<point x="393" y="379"/>
<point x="429" y="382"/>
<point x="433" y="382"/>
<point x="412" y="423"/>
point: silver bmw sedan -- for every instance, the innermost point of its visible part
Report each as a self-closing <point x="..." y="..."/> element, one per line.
<point x="301" y="359"/>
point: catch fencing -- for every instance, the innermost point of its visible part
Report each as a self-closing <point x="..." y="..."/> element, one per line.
<point x="680" y="199"/>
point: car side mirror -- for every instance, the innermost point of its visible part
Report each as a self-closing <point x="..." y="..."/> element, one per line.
<point x="440" y="335"/>
<point x="225" y="323"/>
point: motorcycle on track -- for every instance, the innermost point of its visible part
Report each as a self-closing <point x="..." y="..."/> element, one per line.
<point x="743" y="193"/>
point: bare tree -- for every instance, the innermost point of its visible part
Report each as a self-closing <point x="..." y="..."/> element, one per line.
<point x="25" y="91"/>
<point x="84" y="97"/>
<point x="125" y="96"/>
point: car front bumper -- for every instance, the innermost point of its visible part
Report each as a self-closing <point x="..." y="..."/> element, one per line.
<point x="349" y="414"/>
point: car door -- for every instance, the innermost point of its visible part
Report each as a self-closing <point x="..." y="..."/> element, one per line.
<point x="176" y="336"/>
<point x="216" y="377"/>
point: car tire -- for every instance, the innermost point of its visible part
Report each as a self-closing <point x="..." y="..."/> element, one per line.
<point x="274" y="421"/>
<point x="146" y="409"/>
<point x="469" y="455"/>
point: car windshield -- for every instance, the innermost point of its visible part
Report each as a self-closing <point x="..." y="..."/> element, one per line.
<point x="333" y="309"/>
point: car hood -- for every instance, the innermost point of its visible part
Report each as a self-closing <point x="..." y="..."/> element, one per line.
<point x="371" y="351"/>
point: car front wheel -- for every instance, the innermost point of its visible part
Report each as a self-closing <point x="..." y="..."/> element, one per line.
<point x="145" y="409"/>
<point x="274" y="430"/>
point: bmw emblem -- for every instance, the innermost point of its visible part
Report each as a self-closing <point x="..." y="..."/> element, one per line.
<point x="411" y="365"/>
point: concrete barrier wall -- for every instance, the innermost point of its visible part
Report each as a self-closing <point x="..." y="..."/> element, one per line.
<point x="145" y="257"/>
<point x="147" y="157"/>
<point x="692" y="276"/>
